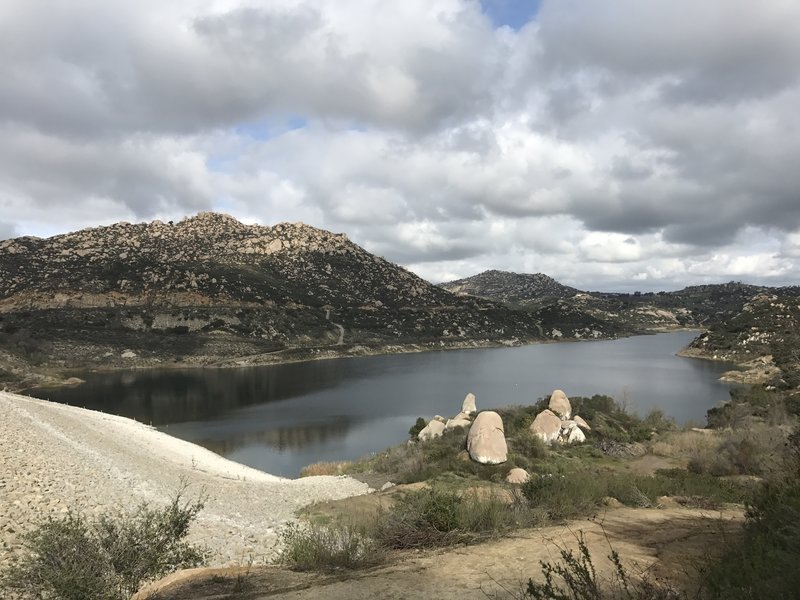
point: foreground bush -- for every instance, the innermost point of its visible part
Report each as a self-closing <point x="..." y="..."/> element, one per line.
<point x="581" y="493"/>
<point x="764" y="563"/>
<point x="74" y="558"/>
<point x="433" y="517"/>
<point x="575" y="578"/>
<point x="316" y="547"/>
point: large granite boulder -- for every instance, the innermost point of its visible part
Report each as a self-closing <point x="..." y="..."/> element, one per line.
<point x="432" y="430"/>
<point x="546" y="426"/>
<point x="559" y="404"/>
<point x="486" y="442"/>
<point x="453" y="423"/>
<point x="581" y="422"/>
<point x="468" y="406"/>
<point x="517" y="475"/>
<point x="571" y="433"/>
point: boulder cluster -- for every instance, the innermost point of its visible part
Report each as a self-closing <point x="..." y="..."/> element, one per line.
<point x="486" y="440"/>
<point x="557" y="424"/>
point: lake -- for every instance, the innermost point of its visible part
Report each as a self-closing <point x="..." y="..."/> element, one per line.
<point x="279" y="418"/>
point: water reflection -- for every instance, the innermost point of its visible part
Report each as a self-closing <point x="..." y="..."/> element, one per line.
<point x="282" y="417"/>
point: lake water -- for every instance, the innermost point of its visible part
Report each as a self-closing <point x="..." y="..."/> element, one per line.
<point x="282" y="417"/>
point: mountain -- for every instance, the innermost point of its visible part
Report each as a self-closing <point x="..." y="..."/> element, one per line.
<point x="514" y="288"/>
<point x="212" y="290"/>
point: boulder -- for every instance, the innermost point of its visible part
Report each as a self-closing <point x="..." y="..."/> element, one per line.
<point x="580" y="422"/>
<point x="517" y="475"/>
<point x="439" y="418"/>
<point x="462" y="415"/>
<point x="575" y="435"/>
<point x="559" y="404"/>
<point x="432" y="430"/>
<point x="486" y="441"/>
<point x="468" y="406"/>
<point x="547" y="426"/>
<point x="453" y="423"/>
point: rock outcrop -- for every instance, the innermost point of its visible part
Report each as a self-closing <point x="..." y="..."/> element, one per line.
<point x="546" y="426"/>
<point x="432" y="430"/>
<point x="559" y="404"/>
<point x="486" y="441"/>
<point x="468" y="406"/>
<point x="556" y="424"/>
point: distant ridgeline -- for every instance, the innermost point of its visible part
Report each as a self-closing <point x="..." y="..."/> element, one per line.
<point x="210" y="289"/>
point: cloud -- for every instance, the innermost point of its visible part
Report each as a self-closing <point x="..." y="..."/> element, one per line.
<point x="602" y="143"/>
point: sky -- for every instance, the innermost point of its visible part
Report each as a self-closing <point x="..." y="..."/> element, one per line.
<point x="618" y="145"/>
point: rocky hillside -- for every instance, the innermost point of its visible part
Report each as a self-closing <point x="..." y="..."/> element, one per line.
<point x="210" y="289"/>
<point x="514" y="288"/>
<point x="765" y="331"/>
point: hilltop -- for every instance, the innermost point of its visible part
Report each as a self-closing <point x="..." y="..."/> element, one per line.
<point x="515" y="288"/>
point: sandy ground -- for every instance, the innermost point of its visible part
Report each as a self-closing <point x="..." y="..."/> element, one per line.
<point x="55" y="458"/>
<point x="672" y="542"/>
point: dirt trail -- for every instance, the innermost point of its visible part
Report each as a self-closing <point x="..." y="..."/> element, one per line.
<point x="666" y="541"/>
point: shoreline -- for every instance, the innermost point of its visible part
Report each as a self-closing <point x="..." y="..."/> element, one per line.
<point x="56" y="458"/>
<point x="300" y="355"/>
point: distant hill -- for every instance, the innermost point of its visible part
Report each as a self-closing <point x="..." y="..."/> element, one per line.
<point x="211" y="290"/>
<point x="515" y="288"/>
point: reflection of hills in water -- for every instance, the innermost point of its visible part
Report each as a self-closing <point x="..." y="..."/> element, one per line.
<point x="282" y="438"/>
<point x="163" y="397"/>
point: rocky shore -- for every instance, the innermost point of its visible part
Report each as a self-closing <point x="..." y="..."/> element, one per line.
<point x="55" y="458"/>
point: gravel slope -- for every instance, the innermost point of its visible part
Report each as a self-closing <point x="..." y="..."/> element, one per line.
<point x="54" y="457"/>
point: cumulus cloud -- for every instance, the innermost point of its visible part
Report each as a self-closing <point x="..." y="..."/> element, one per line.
<point x="607" y="144"/>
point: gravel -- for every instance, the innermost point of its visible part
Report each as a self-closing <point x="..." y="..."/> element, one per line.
<point x="55" y="458"/>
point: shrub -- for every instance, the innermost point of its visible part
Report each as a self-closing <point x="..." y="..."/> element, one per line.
<point x="337" y="467"/>
<point x="418" y="426"/>
<point x="434" y="517"/>
<point x="575" y="578"/>
<point x="764" y="563"/>
<point x="325" y="547"/>
<point x="73" y="558"/>
<point x="581" y="493"/>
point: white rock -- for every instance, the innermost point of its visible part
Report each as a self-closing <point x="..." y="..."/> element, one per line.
<point x="468" y="406"/>
<point x="453" y="423"/>
<point x="431" y="430"/>
<point x="580" y="422"/>
<point x="486" y="442"/>
<point x="575" y="436"/>
<point x="559" y="404"/>
<point x="517" y="475"/>
<point x="547" y="426"/>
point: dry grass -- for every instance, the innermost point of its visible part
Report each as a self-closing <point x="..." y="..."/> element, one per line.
<point x="325" y="468"/>
<point x="685" y="445"/>
<point x="750" y="451"/>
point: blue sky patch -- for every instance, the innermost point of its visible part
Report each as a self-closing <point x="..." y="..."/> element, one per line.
<point x="513" y="13"/>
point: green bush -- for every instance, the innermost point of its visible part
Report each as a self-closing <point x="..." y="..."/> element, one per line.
<point x="317" y="547"/>
<point x="581" y="493"/>
<point x="764" y="563"/>
<point x="418" y="426"/>
<point x="73" y="558"/>
<point x="434" y="517"/>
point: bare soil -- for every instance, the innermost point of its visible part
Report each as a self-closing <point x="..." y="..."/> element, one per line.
<point x="673" y="542"/>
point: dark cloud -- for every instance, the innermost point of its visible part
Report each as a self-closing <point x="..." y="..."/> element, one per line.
<point x="653" y="141"/>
